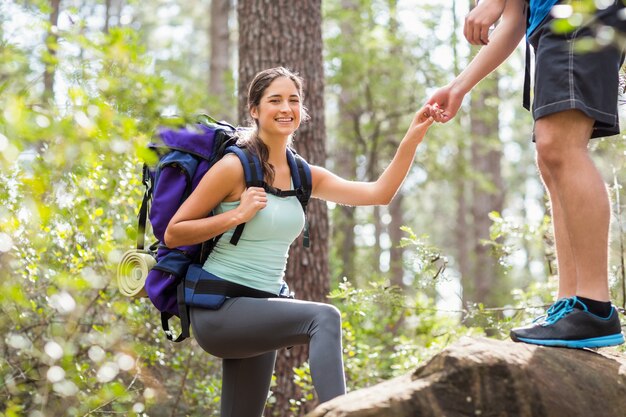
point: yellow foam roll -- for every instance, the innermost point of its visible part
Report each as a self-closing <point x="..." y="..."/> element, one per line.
<point x="132" y="272"/>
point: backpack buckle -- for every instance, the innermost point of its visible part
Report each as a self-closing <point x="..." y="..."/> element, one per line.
<point x="145" y="175"/>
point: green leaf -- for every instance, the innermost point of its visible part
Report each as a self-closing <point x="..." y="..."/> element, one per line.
<point x="562" y="26"/>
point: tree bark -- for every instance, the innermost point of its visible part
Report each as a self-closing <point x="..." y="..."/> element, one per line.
<point x="396" y="261"/>
<point x="219" y="67"/>
<point x="51" y="50"/>
<point x="487" y="189"/>
<point x="486" y="192"/>
<point x="287" y="33"/>
<point x="344" y="219"/>
<point x="396" y="255"/>
<point x="461" y="232"/>
<point x="377" y="250"/>
<point x="107" y="15"/>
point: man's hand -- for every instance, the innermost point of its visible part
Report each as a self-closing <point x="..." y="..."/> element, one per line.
<point x="480" y="19"/>
<point x="447" y="100"/>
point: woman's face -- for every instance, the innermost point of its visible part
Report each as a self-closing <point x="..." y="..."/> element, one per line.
<point x="278" y="112"/>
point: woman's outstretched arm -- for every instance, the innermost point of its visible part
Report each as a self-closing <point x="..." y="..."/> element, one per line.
<point x="330" y="187"/>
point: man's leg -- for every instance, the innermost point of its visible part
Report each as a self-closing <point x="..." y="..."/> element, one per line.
<point x="576" y="99"/>
<point x="586" y="320"/>
<point x="566" y="262"/>
<point x="562" y="140"/>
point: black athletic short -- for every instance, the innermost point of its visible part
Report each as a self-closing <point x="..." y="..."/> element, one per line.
<point x="566" y="79"/>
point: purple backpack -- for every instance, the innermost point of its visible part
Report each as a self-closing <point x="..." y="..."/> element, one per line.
<point x="185" y="155"/>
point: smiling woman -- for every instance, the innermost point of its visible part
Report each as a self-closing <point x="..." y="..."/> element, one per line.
<point x="245" y="331"/>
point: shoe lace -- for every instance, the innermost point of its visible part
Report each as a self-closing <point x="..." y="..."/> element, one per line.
<point x="558" y="310"/>
<point x="550" y="311"/>
<point x="539" y="318"/>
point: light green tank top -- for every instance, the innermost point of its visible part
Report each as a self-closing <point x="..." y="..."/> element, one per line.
<point x="259" y="259"/>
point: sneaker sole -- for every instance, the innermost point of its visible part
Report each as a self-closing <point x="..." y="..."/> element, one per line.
<point x="595" y="342"/>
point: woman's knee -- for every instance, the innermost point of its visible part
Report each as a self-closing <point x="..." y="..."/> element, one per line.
<point x="329" y="318"/>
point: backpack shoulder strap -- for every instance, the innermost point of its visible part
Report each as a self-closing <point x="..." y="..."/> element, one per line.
<point x="253" y="175"/>
<point x="143" y="210"/>
<point x="252" y="169"/>
<point x="303" y="184"/>
<point x="301" y="177"/>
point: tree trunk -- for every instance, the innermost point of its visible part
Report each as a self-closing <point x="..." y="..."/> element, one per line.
<point x="283" y="32"/>
<point x="107" y="15"/>
<point x="479" y="268"/>
<point x="344" y="219"/>
<point x="377" y="250"/>
<point x="461" y="232"/>
<point x="219" y="67"/>
<point x="396" y="255"/>
<point x="51" y="51"/>
<point x="396" y="261"/>
<point x="108" y="5"/>
<point x="487" y="190"/>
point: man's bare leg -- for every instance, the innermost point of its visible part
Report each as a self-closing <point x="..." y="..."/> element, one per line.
<point x="566" y="262"/>
<point x="562" y="140"/>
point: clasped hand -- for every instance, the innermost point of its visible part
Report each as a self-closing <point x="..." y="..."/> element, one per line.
<point x="252" y="200"/>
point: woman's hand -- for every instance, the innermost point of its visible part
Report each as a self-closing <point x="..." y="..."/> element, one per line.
<point x="252" y="200"/>
<point x="422" y="121"/>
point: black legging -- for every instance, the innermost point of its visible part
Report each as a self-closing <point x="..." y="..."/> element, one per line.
<point x="246" y="332"/>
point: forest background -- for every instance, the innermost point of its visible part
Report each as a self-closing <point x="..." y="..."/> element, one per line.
<point x="464" y="249"/>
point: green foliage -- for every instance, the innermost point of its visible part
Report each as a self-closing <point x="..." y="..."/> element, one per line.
<point x="388" y="330"/>
<point x="69" y="192"/>
<point x="379" y="68"/>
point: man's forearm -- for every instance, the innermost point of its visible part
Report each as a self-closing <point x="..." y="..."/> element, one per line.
<point x="503" y="42"/>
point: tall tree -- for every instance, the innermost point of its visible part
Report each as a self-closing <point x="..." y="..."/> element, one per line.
<point x="107" y="15"/>
<point x="51" y="50"/>
<point x="396" y="252"/>
<point x="461" y="240"/>
<point x="344" y="217"/>
<point x="220" y="72"/>
<point x="287" y="33"/>
<point x="486" y="189"/>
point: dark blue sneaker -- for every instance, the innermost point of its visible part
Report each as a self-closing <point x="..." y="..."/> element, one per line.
<point x="568" y="323"/>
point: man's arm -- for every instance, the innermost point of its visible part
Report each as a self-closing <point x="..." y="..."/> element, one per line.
<point x="504" y="40"/>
